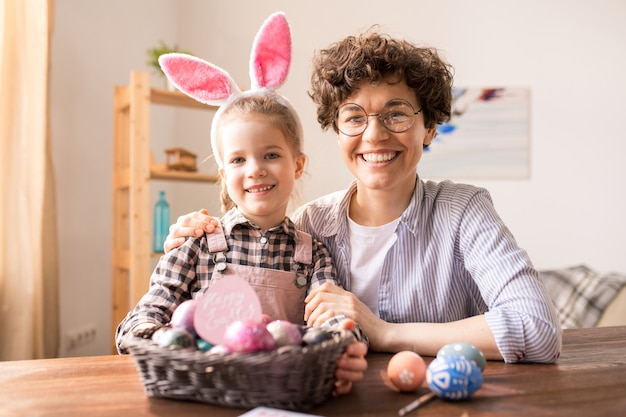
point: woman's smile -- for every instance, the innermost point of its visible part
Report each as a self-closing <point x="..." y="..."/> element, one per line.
<point x="377" y="157"/>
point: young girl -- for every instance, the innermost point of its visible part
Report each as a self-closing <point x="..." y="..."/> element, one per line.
<point x="256" y="140"/>
<point x="262" y="159"/>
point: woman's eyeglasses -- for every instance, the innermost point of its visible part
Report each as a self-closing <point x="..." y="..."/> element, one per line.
<point x="396" y="115"/>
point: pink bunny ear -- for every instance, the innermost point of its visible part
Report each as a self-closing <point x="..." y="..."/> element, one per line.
<point x="197" y="78"/>
<point x="271" y="53"/>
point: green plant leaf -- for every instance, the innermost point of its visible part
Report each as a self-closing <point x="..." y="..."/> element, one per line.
<point x="153" y="55"/>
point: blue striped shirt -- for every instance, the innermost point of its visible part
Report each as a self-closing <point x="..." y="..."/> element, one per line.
<point x="453" y="258"/>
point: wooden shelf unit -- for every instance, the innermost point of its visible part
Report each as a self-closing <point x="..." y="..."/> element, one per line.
<point x="132" y="209"/>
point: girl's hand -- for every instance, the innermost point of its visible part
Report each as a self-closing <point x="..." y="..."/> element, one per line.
<point x="189" y="225"/>
<point x="351" y="365"/>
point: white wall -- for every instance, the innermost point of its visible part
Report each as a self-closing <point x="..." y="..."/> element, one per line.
<point x="569" y="52"/>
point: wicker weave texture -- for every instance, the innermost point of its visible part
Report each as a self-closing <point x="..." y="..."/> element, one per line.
<point x="291" y="377"/>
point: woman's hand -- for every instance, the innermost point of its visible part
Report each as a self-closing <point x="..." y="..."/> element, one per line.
<point x="189" y="225"/>
<point x="329" y="300"/>
<point x="351" y="365"/>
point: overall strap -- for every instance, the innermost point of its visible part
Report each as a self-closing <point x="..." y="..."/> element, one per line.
<point x="217" y="240"/>
<point x="304" y="248"/>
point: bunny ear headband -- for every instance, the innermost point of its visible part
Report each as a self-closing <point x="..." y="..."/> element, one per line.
<point x="207" y="83"/>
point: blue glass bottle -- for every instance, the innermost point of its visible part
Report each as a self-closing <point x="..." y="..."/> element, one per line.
<point x="161" y="222"/>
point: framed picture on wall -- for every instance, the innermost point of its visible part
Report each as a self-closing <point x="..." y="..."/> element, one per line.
<point x="487" y="137"/>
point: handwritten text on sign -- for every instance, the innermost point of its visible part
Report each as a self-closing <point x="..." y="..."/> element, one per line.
<point x="229" y="299"/>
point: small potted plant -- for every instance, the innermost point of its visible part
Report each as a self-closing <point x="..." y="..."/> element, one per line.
<point x="153" y="55"/>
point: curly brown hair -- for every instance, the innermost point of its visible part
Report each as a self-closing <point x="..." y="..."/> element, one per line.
<point x="371" y="56"/>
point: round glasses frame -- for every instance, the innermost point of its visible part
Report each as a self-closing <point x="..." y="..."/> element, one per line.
<point x="392" y="121"/>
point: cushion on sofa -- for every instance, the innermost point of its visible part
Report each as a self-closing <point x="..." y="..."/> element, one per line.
<point x="582" y="295"/>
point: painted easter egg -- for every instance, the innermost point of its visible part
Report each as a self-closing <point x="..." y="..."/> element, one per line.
<point x="158" y="334"/>
<point x="219" y="350"/>
<point x="406" y="370"/>
<point x="285" y="333"/>
<point x="246" y="336"/>
<point x="183" y="316"/>
<point x="175" y="338"/>
<point x="203" y="345"/>
<point x="315" y="335"/>
<point x="453" y="377"/>
<point x="464" y="350"/>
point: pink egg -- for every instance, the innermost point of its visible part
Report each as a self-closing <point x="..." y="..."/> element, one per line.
<point x="183" y="316"/>
<point x="406" y="370"/>
<point x="246" y="336"/>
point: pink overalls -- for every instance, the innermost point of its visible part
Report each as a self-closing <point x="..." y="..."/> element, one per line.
<point x="281" y="293"/>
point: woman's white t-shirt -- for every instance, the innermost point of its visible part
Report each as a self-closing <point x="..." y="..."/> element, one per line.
<point x="369" y="246"/>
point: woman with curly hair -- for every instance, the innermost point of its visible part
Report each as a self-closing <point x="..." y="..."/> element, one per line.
<point x="425" y="263"/>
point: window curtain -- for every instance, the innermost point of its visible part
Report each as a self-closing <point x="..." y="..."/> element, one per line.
<point x="29" y="322"/>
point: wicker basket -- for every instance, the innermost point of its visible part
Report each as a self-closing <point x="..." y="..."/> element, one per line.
<point x="291" y="377"/>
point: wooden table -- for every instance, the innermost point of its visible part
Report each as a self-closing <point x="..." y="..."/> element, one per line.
<point x="588" y="380"/>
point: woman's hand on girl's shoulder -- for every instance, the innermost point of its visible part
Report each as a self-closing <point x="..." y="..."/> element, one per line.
<point x="193" y="224"/>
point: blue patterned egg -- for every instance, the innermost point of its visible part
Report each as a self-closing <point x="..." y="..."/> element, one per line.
<point x="464" y="350"/>
<point x="453" y="377"/>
